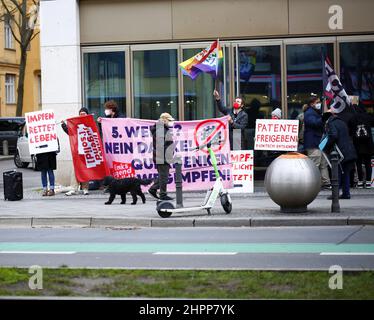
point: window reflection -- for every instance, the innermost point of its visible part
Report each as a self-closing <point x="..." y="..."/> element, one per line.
<point x="260" y="80"/>
<point x="357" y="71"/>
<point x="304" y="74"/>
<point x="198" y="93"/>
<point x="155" y="83"/>
<point x="104" y="79"/>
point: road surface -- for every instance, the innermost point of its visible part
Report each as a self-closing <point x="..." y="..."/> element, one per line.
<point x="282" y="248"/>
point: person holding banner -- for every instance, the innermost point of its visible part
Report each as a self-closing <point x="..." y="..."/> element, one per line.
<point x="46" y="163"/>
<point x="111" y="110"/>
<point x="84" y="185"/>
<point x="163" y="154"/>
<point x="238" y="118"/>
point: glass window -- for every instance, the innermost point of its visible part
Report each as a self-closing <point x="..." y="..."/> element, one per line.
<point x="198" y="93"/>
<point x="259" y="80"/>
<point x="10" y="88"/>
<point x="9" y="43"/>
<point x="155" y="84"/>
<point x="104" y="79"/>
<point x="304" y="74"/>
<point x="357" y="71"/>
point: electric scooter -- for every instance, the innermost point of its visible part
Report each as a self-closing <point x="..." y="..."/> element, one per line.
<point x="166" y="208"/>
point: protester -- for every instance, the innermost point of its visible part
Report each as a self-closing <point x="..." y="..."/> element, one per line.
<point x="163" y="153"/>
<point x="84" y="185"/>
<point x="111" y="110"/>
<point x="238" y="118"/>
<point x="313" y="131"/>
<point x="46" y="163"/>
<point x="338" y="135"/>
<point x="363" y="142"/>
<point x="276" y="114"/>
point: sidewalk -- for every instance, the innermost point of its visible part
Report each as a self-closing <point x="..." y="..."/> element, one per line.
<point x="3" y="158"/>
<point x="249" y="210"/>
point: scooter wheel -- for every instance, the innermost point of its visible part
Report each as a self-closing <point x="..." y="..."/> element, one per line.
<point x="226" y="204"/>
<point x="164" y="205"/>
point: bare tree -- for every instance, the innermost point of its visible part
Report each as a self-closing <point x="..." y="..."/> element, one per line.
<point x="22" y="16"/>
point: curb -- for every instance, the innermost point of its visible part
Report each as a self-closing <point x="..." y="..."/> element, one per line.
<point x="3" y="158"/>
<point x="79" y="222"/>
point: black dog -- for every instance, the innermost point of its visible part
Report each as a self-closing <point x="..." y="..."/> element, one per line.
<point x="123" y="186"/>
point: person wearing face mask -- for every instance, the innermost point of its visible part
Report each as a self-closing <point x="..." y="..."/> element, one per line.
<point x="163" y="154"/>
<point x="238" y="118"/>
<point x="111" y="110"/>
<point x="313" y="131"/>
<point x="84" y="185"/>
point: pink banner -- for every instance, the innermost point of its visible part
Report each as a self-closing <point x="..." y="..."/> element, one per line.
<point x="128" y="150"/>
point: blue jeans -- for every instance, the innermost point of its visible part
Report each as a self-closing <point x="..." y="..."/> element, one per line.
<point x="51" y="176"/>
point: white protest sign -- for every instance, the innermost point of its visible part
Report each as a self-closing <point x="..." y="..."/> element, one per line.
<point x="41" y="128"/>
<point x="242" y="171"/>
<point x="276" y="135"/>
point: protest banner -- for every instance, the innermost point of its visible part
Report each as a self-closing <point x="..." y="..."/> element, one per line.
<point x="276" y="135"/>
<point x="242" y="171"/>
<point x="86" y="149"/>
<point x="42" y="135"/>
<point x="128" y="149"/>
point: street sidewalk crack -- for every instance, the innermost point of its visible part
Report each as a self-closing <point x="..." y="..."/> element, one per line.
<point x="350" y="235"/>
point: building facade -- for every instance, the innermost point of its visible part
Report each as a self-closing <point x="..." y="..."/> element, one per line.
<point x="94" y="51"/>
<point x="9" y="71"/>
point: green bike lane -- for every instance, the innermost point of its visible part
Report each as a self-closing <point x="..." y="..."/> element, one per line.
<point x="188" y="248"/>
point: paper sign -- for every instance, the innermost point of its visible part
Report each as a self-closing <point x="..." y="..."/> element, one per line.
<point x="242" y="171"/>
<point x="276" y="135"/>
<point x="41" y="127"/>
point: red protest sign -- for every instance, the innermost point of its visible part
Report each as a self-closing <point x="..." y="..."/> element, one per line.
<point x="122" y="170"/>
<point x="86" y="149"/>
<point x="213" y="131"/>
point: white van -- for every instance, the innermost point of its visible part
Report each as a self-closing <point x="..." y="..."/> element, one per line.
<point x="23" y="158"/>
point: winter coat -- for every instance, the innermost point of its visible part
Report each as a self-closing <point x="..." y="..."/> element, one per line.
<point x="338" y="133"/>
<point x="313" y="128"/>
<point x="46" y="161"/>
<point x="240" y="121"/>
<point x="162" y="135"/>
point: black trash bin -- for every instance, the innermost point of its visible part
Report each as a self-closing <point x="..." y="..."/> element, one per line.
<point x="13" y="185"/>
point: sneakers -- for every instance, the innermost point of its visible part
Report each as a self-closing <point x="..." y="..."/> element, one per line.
<point x="326" y="187"/>
<point x="70" y="193"/>
<point x="368" y="185"/>
<point x="85" y="192"/>
<point x="166" y="198"/>
<point x="51" y="193"/>
<point x="153" y="193"/>
<point x="360" y="184"/>
<point x="45" y="193"/>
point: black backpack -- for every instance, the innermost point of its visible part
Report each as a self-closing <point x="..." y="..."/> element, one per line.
<point x="362" y="132"/>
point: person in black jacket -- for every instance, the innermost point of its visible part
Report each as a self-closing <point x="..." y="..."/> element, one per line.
<point x="313" y="132"/>
<point x="163" y="153"/>
<point x="338" y="135"/>
<point x="238" y="119"/>
<point x="363" y="142"/>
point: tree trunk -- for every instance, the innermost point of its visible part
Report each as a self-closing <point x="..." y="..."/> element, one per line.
<point x="21" y="82"/>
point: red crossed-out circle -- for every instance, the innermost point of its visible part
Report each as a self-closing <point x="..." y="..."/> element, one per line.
<point x="218" y="125"/>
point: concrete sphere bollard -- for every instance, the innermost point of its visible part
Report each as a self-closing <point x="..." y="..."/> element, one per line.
<point x="292" y="181"/>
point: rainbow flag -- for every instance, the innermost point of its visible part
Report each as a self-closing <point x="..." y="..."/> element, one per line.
<point x="207" y="60"/>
